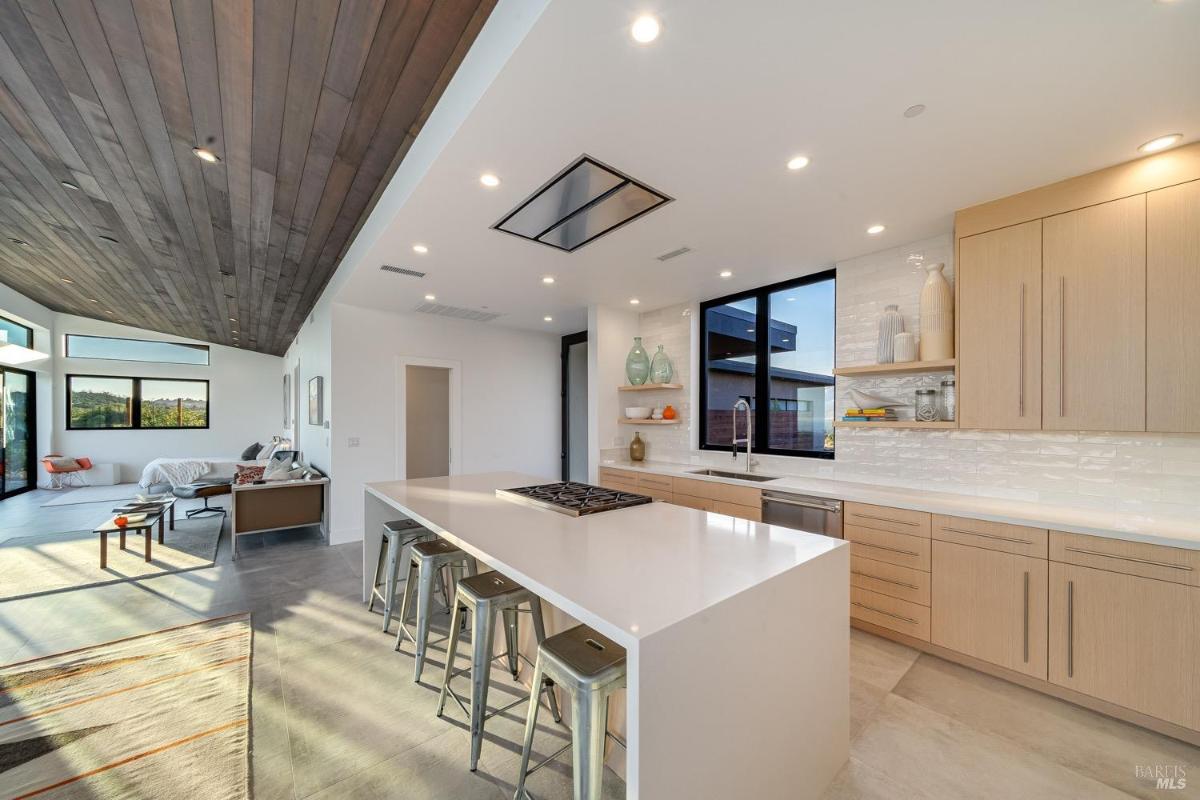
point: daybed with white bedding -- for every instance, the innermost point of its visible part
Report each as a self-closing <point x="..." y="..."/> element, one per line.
<point x="175" y="472"/>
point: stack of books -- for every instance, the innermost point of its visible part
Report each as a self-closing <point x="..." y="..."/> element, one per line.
<point x="869" y="414"/>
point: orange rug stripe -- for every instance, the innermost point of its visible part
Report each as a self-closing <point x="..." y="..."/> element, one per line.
<point x="124" y="662"/>
<point x="115" y="692"/>
<point x="127" y="639"/>
<point x="177" y="743"/>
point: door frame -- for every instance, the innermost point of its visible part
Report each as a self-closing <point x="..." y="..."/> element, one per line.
<point x="31" y="459"/>
<point x="567" y="341"/>
<point x="401" y="405"/>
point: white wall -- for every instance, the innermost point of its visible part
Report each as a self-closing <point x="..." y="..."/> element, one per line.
<point x="610" y="337"/>
<point x="510" y="383"/>
<point x="245" y="402"/>
<point x="312" y="351"/>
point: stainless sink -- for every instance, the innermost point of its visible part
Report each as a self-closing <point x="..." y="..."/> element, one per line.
<point x="740" y="476"/>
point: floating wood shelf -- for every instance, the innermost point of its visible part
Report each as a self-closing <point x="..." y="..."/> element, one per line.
<point x="627" y="421"/>
<point x="895" y="423"/>
<point x="898" y="369"/>
<point x="647" y="387"/>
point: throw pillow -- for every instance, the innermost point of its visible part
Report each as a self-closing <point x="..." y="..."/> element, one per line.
<point x="266" y="451"/>
<point x="248" y="473"/>
<point x="251" y="452"/>
<point x="278" y="470"/>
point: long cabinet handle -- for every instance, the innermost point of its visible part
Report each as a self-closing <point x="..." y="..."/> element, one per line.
<point x="1012" y="539"/>
<point x="1021" y="356"/>
<point x="885" y="613"/>
<point x="1025" y="621"/>
<point x="1148" y="561"/>
<point x="889" y="549"/>
<point x="1062" y="354"/>
<point x="914" y="587"/>
<point x="885" y="519"/>
<point x="1070" y="629"/>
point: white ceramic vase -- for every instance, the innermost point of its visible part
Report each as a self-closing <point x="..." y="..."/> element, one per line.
<point x="905" y="347"/>
<point x="937" y="315"/>
<point x="890" y="323"/>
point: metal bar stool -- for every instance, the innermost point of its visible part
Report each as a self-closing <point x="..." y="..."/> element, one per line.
<point x="591" y="667"/>
<point x="428" y="559"/>
<point x="484" y="595"/>
<point x="397" y="535"/>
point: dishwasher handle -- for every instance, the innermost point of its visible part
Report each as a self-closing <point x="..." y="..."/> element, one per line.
<point x="832" y="506"/>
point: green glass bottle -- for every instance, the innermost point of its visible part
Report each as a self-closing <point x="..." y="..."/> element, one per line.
<point x="637" y="363"/>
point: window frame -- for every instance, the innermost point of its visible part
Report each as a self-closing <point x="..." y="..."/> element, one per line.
<point x="67" y="337"/>
<point x="137" y="403"/>
<point x="762" y="358"/>
<point x="28" y="330"/>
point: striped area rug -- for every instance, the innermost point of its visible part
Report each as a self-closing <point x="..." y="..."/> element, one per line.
<point x="164" y="715"/>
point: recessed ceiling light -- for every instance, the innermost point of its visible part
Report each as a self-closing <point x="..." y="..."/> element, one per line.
<point x="726" y="273"/>
<point x="430" y="297"/>
<point x="645" y="29"/>
<point x="548" y="279"/>
<point x="1161" y="143"/>
<point x="791" y="299"/>
<point x="914" y="111"/>
<point x="70" y="185"/>
<point x="547" y="319"/>
<point x="93" y="300"/>
<point x="489" y="180"/>
<point x="231" y="319"/>
<point x="109" y="313"/>
<point x="798" y="162"/>
<point x="420" y="248"/>
<point x="633" y="301"/>
<point x="66" y="280"/>
<point x="204" y="154"/>
<point x="875" y="230"/>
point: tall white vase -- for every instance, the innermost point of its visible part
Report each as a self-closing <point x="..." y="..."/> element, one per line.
<point x="890" y="323"/>
<point x="937" y="315"/>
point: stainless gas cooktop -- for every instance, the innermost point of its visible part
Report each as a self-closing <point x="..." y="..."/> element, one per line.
<point x="573" y="499"/>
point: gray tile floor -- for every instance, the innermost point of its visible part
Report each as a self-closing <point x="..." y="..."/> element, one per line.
<point x="335" y="713"/>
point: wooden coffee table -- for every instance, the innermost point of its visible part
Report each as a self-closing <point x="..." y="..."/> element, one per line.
<point x="146" y="526"/>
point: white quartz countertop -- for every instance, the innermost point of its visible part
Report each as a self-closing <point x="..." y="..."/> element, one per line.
<point x="627" y="573"/>
<point x="1169" y="531"/>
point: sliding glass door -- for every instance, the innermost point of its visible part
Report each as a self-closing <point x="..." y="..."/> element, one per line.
<point x="20" y="432"/>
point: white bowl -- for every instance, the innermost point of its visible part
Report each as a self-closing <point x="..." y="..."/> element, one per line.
<point x="637" y="412"/>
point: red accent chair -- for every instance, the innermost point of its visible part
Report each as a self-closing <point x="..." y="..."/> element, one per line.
<point x="63" y="476"/>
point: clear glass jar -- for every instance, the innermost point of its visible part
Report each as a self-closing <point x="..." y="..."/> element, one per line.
<point x="949" y="400"/>
<point x="926" y="409"/>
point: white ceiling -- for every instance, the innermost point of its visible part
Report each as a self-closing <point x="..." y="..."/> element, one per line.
<point x="1019" y="93"/>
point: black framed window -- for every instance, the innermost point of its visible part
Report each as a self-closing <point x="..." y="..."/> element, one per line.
<point x="111" y="348"/>
<point x="774" y="348"/>
<point x="112" y="402"/>
<point x="17" y="333"/>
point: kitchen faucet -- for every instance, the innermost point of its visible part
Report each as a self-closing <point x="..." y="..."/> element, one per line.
<point x="743" y="403"/>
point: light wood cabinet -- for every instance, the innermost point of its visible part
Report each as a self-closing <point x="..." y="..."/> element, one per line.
<point x="1018" y="539"/>
<point x="903" y="583"/>
<point x="999" y="277"/>
<point x="885" y="518"/>
<point x="1172" y="299"/>
<point x="898" y="615"/>
<point x="990" y="605"/>
<point x="1129" y="640"/>
<point x="752" y="513"/>
<point x="1094" y="318"/>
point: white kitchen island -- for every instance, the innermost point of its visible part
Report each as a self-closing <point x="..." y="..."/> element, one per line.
<point x="737" y="632"/>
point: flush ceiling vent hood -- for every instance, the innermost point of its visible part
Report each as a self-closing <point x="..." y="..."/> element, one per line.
<point x="579" y="205"/>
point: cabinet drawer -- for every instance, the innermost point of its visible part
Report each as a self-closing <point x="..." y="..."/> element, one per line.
<point x="897" y="520"/>
<point x="700" y="503"/>
<point x="900" y="582"/>
<point x="620" y="486"/>
<point x="1173" y="564"/>
<point x="656" y="494"/>
<point x="663" y="483"/>
<point x="888" y="612"/>
<point x="620" y="475"/>
<point x="752" y="513"/>
<point x="1015" y="539"/>
<point x="721" y="492"/>
<point x="893" y="548"/>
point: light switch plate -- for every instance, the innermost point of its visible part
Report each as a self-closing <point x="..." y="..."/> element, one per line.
<point x="352" y="441"/>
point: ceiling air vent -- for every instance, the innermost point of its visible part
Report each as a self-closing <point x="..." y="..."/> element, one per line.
<point x="412" y="273"/>
<point x="456" y="312"/>
<point x="579" y="205"/>
<point x="674" y="253"/>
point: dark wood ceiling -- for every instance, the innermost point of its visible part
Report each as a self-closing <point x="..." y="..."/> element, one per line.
<point x="106" y="212"/>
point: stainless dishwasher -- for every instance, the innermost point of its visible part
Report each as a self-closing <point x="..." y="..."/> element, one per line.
<point x="802" y="512"/>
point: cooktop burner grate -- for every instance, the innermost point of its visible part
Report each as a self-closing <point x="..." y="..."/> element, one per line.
<point x="575" y="499"/>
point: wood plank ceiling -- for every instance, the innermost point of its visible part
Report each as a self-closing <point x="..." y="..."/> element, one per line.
<point x="105" y="210"/>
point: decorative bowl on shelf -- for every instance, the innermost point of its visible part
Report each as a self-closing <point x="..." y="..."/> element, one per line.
<point x="637" y="412"/>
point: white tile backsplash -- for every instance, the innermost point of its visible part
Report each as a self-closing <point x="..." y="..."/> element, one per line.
<point x="1139" y="473"/>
